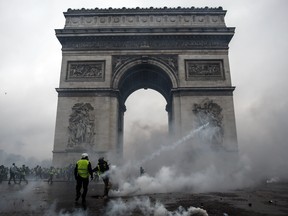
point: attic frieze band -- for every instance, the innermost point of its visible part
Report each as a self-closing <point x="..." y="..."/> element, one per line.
<point x="174" y="42"/>
<point x="185" y="20"/>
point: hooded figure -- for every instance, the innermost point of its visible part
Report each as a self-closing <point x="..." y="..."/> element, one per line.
<point x="102" y="170"/>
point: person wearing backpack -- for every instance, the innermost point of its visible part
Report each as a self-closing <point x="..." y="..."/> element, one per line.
<point x="102" y="170"/>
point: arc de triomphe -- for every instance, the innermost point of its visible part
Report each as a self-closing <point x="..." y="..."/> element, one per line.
<point x="107" y="54"/>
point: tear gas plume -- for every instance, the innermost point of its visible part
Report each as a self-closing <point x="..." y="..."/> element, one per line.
<point x="193" y="166"/>
<point x="187" y="165"/>
<point x="174" y="145"/>
<point x="144" y="206"/>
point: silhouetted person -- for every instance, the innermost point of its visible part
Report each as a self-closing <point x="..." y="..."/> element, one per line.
<point x="23" y="174"/>
<point x="51" y="175"/>
<point x="82" y="171"/>
<point x="38" y="171"/>
<point x="2" y="173"/>
<point x="13" y="172"/>
<point x="142" y="171"/>
<point x="101" y="170"/>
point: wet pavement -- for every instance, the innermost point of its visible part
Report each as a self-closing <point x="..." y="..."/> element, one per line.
<point x="40" y="198"/>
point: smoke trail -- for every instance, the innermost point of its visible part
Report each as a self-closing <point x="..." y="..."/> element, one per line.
<point x="131" y="185"/>
<point x="144" y="206"/>
<point x="174" y="145"/>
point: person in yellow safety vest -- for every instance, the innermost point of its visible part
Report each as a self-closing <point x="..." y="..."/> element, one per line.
<point x="82" y="171"/>
<point x="102" y="170"/>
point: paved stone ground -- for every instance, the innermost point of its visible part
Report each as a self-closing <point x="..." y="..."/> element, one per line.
<point x="39" y="198"/>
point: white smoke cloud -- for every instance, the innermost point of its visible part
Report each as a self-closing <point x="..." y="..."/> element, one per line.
<point x="7" y="159"/>
<point x="168" y="179"/>
<point x="144" y="205"/>
<point x="63" y="212"/>
<point x="187" y="165"/>
<point x="124" y="207"/>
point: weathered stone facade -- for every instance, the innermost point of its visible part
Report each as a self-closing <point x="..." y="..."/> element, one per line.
<point x="109" y="53"/>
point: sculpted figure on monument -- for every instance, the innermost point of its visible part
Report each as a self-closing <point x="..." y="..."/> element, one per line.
<point x="209" y="112"/>
<point x="82" y="70"/>
<point x="81" y="125"/>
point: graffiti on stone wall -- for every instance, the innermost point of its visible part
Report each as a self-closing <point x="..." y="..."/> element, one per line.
<point x="81" y="125"/>
<point x="209" y="112"/>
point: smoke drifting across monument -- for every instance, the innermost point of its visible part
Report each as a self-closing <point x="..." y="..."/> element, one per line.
<point x="185" y="165"/>
<point x="197" y="168"/>
<point x="260" y="95"/>
<point x="261" y="154"/>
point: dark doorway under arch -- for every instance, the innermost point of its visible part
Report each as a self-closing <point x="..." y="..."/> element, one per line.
<point x="145" y="76"/>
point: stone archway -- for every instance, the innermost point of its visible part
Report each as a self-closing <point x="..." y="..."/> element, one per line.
<point x="109" y="53"/>
<point x="142" y="72"/>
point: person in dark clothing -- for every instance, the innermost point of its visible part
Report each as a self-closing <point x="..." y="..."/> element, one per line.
<point x="51" y="175"/>
<point x="2" y="173"/>
<point x="13" y="172"/>
<point x="142" y="171"/>
<point x="102" y="170"/>
<point x="82" y="171"/>
<point x="23" y="174"/>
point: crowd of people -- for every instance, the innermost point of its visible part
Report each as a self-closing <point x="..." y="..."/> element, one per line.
<point x="17" y="174"/>
<point x="81" y="171"/>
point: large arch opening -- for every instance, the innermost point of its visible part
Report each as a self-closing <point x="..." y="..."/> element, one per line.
<point x="144" y="76"/>
<point x="146" y="121"/>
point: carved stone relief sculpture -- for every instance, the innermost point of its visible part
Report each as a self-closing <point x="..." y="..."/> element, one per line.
<point x="209" y="112"/>
<point x="81" y="125"/>
<point x="145" y="43"/>
<point x="148" y="16"/>
<point x="88" y="71"/>
<point x="204" y="70"/>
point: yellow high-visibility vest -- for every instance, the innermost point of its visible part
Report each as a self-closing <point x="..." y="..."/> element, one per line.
<point x="82" y="166"/>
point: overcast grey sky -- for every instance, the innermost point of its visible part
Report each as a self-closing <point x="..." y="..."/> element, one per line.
<point x="31" y="58"/>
